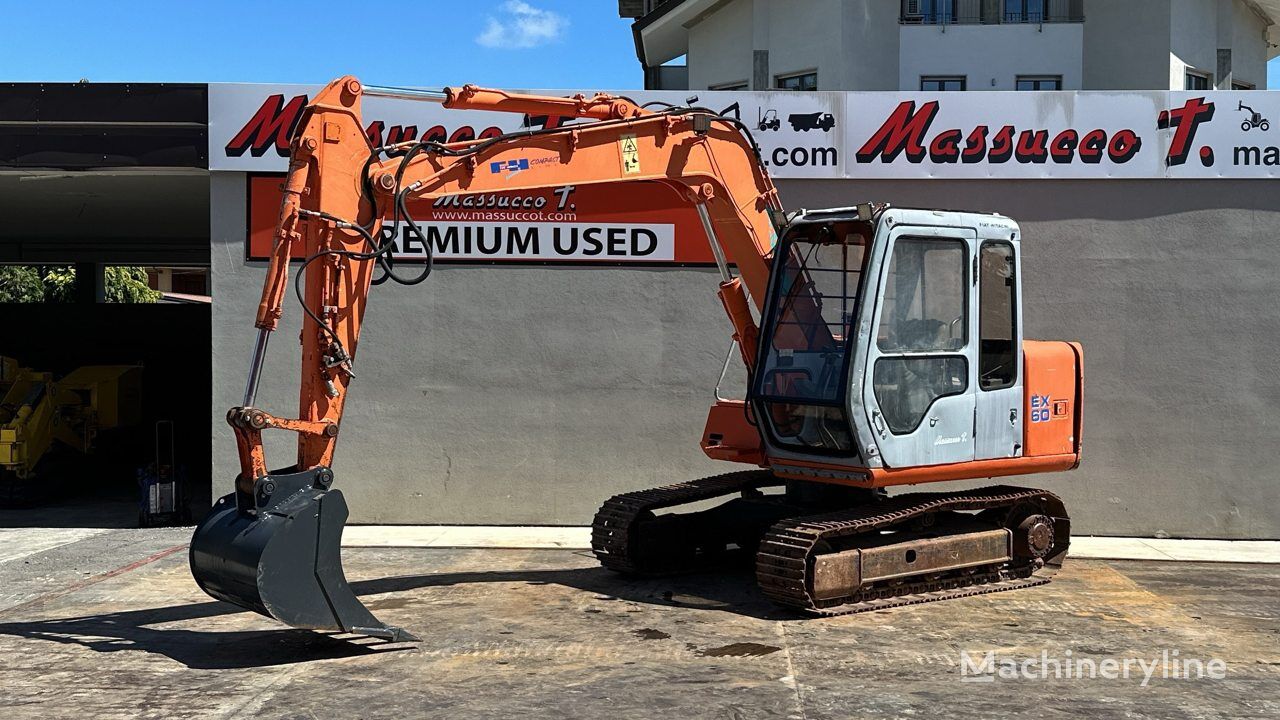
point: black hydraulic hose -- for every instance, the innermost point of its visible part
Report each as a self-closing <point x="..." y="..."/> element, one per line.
<point x="377" y="251"/>
<point x="380" y="251"/>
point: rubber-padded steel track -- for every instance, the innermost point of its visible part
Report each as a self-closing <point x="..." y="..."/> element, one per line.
<point x="784" y="562"/>
<point x="614" y="532"/>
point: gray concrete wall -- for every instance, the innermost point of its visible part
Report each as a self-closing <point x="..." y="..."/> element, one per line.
<point x="1117" y="56"/>
<point x="720" y="47"/>
<point x="1248" y="42"/>
<point x="530" y="394"/>
<point x="869" y="44"/>
<point x="1007" y="52"/>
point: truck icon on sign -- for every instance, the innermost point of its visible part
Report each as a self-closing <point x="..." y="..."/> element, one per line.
<point x="811" y="121"/>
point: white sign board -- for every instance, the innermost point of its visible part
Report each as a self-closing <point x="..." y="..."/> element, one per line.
<point x="799" y="133"/>
<point x="888" y="135"/>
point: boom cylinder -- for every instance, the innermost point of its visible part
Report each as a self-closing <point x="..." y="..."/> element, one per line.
<point x="437" y="95"/>
<point x="255" y="367"/>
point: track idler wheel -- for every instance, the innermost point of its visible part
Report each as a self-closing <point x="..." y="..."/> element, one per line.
<point x="1033" y="538"/>
<point x="278" y="553"/>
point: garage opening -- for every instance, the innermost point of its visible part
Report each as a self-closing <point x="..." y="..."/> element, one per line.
<point x="105" y="372"/>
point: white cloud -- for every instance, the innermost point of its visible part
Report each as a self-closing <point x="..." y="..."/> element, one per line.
<point x="522" y="25"/>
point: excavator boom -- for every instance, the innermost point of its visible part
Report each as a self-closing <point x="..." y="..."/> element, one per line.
<point x="258" y="547"/>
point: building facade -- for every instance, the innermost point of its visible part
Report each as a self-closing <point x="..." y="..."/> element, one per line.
<point x="522" y="386"/>
<point x="937" y="45"/>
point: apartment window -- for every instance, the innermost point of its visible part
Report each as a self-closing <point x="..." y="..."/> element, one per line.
<point x="990" y="12"/>
<point x="1237" y="85"/>
<point x="1198" y="81"/>
<point x="938" y="11"/>
<point x="937" y="83"/>
<point x="799" y="81"/>
<point x="739" y="85"/>
<point x="1024" y="11"/>
<point x="1039" y="82"/>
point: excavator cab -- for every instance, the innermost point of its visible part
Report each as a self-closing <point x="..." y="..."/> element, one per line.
<point x="892" y="341"/>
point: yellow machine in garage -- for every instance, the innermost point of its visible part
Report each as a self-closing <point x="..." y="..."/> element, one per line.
<point x="36" y="411"/>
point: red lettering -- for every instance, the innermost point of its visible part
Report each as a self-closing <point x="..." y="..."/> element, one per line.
<point x="904" y="131"/>
<point x="1185" y="121"/>
<point x="1032" y="146"/>
<point x="1063" y="147"/>
<point x="1092" y="145"/>
<point x="463" y="134"/>
<point x="1002" y="145"/>
<point x="975" y="147"/>
<point x="945" y="148"/>
<point x="1124" y="145"/>
<point x="271" y="126"/>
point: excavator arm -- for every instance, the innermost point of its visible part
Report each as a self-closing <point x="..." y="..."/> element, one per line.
<point x="340" y="192"/>
<point x="272" y="545"/>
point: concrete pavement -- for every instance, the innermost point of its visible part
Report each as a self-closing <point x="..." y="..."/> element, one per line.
<point x="110" y="625"/>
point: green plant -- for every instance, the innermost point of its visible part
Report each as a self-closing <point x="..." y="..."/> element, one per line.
<point x="57" y="284"/>
<point x="129" y="285"/>
<point x="20" y="284"/>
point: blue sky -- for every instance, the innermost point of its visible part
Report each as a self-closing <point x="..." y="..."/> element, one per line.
<point x="512" y="43"/>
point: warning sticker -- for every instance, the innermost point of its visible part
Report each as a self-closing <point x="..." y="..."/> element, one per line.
<point x="630" y="154"/>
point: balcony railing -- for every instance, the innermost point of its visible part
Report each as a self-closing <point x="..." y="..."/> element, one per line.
<point x="990" y="12"/>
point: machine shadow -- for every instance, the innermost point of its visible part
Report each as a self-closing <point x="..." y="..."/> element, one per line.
<point x="196" y="649"/>
<point x="727" y="590"/>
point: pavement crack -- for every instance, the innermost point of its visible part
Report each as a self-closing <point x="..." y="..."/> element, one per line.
<point x="791" y="670"/>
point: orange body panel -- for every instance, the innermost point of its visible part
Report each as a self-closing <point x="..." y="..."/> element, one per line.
<point x="887" y="477"/>
<point x="729" y="436"/>
<point x="1053" y="373"/>
<point x="1054" y="389"/>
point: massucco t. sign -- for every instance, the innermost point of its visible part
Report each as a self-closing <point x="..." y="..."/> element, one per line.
<point x="1016" y="135"/>
<point x="1095" y="135"/>
<point x="910" y="132"/>
<point x="890" y="135"/>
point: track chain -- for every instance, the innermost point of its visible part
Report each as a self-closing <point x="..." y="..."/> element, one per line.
<point x="783" y="562"/>
<point x="613" y="530"/>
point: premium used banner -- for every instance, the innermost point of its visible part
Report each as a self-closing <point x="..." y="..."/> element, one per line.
<point x="588" y="224"/>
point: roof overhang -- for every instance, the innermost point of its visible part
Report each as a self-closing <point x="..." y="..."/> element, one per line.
<point x="663" y="34"/>
<point x="1270" y="10"/>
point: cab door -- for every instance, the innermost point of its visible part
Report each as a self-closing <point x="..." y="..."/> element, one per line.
<point x="919" y="389"/>
<point x="998" y="423"/>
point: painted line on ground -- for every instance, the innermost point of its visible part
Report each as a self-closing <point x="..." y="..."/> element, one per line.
<point x="81" y="584"/>
<point x="579" y="538"/>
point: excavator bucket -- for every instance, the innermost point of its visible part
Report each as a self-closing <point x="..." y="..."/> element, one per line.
<point x="278" y="553"/>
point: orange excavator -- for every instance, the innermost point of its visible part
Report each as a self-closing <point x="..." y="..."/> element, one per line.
<point x="883" y="347"/>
